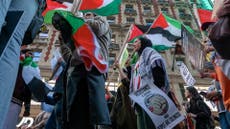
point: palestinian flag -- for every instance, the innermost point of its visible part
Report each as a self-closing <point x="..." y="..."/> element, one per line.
<point x="85" y="41"/>
<point x="101" y="7"/>
<point x="51" y="5"/>
<point x="134" y="33"/>
<point x="161" y="39"/>
<point x="169" y="24"/>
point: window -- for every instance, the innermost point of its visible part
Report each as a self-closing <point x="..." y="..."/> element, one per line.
<point x="128" y="6"/>
<point x="146" y="1"/>
<point x="111" y="19"/>
<point x="129" y="9"/>
<point x="181" y="11"/>
<point x="165" y="10"/>
<point x="113" y="39"/>
<point x="147" y="10"/>
<point x="37" y="56"/>
<point x="111" y="59"/>
<point x="130" y="20"/>
<point x="114" y="46"/>
<point x="149" y="21"/>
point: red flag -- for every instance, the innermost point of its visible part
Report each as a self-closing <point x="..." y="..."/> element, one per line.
<point x="205" y="15"/>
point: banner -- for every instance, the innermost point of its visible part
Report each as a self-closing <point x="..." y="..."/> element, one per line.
<point x="187" y="76"/>
<point x="157" y="105"/>
<point x="192" y="48"/>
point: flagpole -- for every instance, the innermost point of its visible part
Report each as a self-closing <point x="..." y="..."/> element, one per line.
<point x="76" y="5"/>
<point x="119" y="55"/>
<point x="124" y="43"/>
<point x="197" y="20"/>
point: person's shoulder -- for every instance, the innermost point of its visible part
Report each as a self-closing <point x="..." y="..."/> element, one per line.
<point x="100" y="18"/>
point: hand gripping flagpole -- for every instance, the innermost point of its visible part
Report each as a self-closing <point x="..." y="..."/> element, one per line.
<point x="124" y="43"/>
<point x="76" y="6"/>
<point x="120" y="53"/>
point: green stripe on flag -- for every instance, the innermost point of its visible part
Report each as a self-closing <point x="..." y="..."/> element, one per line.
<point x="173" y="22"/>
<point x="177" y="23"/>
<point x="74" y="21"/>
<point x="161" y="48"/>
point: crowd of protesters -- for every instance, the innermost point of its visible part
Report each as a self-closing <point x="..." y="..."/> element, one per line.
<point x="80" y="99"/>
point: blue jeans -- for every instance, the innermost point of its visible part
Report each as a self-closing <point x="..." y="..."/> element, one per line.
<point x="5" y="4"/>
<point x="224" y="120"/>
<point x="9" y="58"/>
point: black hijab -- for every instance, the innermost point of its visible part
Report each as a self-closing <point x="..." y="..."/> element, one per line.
<point x="144" y="43"/>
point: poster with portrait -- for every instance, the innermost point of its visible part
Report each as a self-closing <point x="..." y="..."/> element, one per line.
<point x="157" y="105"/>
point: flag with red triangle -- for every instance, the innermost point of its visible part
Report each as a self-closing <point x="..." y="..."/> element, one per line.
<point x="85" y="41"/>
<point x="169" y="24"/>
<point x="134" y="33"/>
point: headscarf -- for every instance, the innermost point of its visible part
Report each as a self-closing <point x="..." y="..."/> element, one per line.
<point x="144" y="43"/>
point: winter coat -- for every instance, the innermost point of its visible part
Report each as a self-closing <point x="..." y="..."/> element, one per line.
<point x="203" y="112"/>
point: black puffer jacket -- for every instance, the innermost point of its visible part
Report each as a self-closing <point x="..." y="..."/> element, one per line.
<point x="203" y="112"/>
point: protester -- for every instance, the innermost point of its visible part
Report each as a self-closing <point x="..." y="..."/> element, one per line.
<point x="198" y="109"/>
<point x="221" y="66"/>
<point x="21" y="95"/>
<point x="122" y="114"/>
<point x="85" y="90"/>
<point x="216" y="97"/>
<point x="148" y="59"/>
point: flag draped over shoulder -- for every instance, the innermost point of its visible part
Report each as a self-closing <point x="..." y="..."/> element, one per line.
<point x="85" y="41"/>
<point x="101" y="7"/>
<point x="169" y="24"/>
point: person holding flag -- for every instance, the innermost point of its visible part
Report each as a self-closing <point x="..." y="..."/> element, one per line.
<point x="87" y="68"/>
<point x="152" y="60"/>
